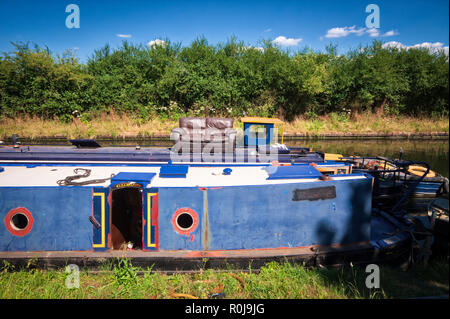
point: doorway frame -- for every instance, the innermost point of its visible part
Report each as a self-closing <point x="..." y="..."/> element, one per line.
<point x="150" y="229"/>
<point x="102" y="212"/>
<point x="121" y="186"/>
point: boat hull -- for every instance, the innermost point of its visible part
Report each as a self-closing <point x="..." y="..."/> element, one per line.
<point x="223" y="217"/>
<point x="195" y="261"/>
<point x="177" y="217"/>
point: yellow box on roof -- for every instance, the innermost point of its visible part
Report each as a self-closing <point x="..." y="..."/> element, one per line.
<point x="264" y="120"/>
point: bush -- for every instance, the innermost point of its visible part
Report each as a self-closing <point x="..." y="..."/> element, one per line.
<point x="223" y="80"/>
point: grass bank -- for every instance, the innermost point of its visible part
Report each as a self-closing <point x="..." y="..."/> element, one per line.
<point x="124" y="126"/>
<point x="285" y="281"/>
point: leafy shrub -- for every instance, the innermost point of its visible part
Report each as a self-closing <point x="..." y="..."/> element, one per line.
<point x="226" y="79"/>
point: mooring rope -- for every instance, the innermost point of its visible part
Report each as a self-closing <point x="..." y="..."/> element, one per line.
<point x="69" y="180"/>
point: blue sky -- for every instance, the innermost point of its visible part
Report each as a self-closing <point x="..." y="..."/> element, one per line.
<point x="291" y="24"/>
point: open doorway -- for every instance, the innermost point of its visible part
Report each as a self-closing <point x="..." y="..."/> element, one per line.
<point x="126" y="218"/>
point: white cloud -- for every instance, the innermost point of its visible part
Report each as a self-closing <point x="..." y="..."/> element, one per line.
<point x="394" y="44"/>
<point x="429" y="45"/>
<point x="156" y="43"/>
<point x="343" y="32"/>
<point x="283" y="41"/>
<point x="373" y="32"/>
<point x="432" y="47"/>
<point x="390" y="33"/>
<point x="123" y="35"/>
<point x="268" y="30"/>
<point x="255" y="48"/>
<point x="340" y="32"/>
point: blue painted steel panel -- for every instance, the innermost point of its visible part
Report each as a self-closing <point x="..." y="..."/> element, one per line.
<point x="174" y="171"/>
<point x="142" y="178"/>
<point x="237" y="217"/>
<point x="261" y="217"/>
<point x="61" y="218"/>
<point x="429" y="186"/>
<point x="294" y="171"/>
<point x="170" y="200"/>
<point x="248" y="217"/>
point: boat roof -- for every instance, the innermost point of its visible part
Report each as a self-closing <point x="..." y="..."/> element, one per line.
<point x="145" y="154"/>
<point x="193" y="176"/>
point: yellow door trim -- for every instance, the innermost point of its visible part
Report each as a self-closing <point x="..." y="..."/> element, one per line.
<point x="102" y="198"/>
<point x="149" y="219"/>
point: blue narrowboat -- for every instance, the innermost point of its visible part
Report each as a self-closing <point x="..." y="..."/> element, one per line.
<point x="86" y="205"/>
<point x="182" y="213"/>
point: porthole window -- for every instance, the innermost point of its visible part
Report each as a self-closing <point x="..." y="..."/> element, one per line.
<point x="185" y="221"/>
<point x="19" y="221"/>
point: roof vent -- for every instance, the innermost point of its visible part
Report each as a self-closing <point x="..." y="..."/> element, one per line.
<point x="80" y="143"/>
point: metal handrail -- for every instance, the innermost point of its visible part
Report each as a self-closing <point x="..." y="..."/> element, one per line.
<point x="405" y="164"/>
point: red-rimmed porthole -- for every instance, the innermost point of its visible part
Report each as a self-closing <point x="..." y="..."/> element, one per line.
<point x="19" y="221"/>
<point x="185" y="221"/>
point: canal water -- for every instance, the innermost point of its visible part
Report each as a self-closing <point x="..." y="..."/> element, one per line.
<point x="434" y="152"/>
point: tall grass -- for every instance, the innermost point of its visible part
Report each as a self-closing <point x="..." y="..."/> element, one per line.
<point x="273" y="281"/>
<point x="122" y="126"/>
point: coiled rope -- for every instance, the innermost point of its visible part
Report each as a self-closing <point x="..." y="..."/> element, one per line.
<point x="69" y="180"/>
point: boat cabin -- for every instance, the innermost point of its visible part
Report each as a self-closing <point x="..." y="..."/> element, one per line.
<point x="262" y="131"/>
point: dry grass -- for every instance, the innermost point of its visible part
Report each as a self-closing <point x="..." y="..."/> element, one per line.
<point x="111" y="125"/>
<point x="124" y="126"/>
<point x="367" y="123"/>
